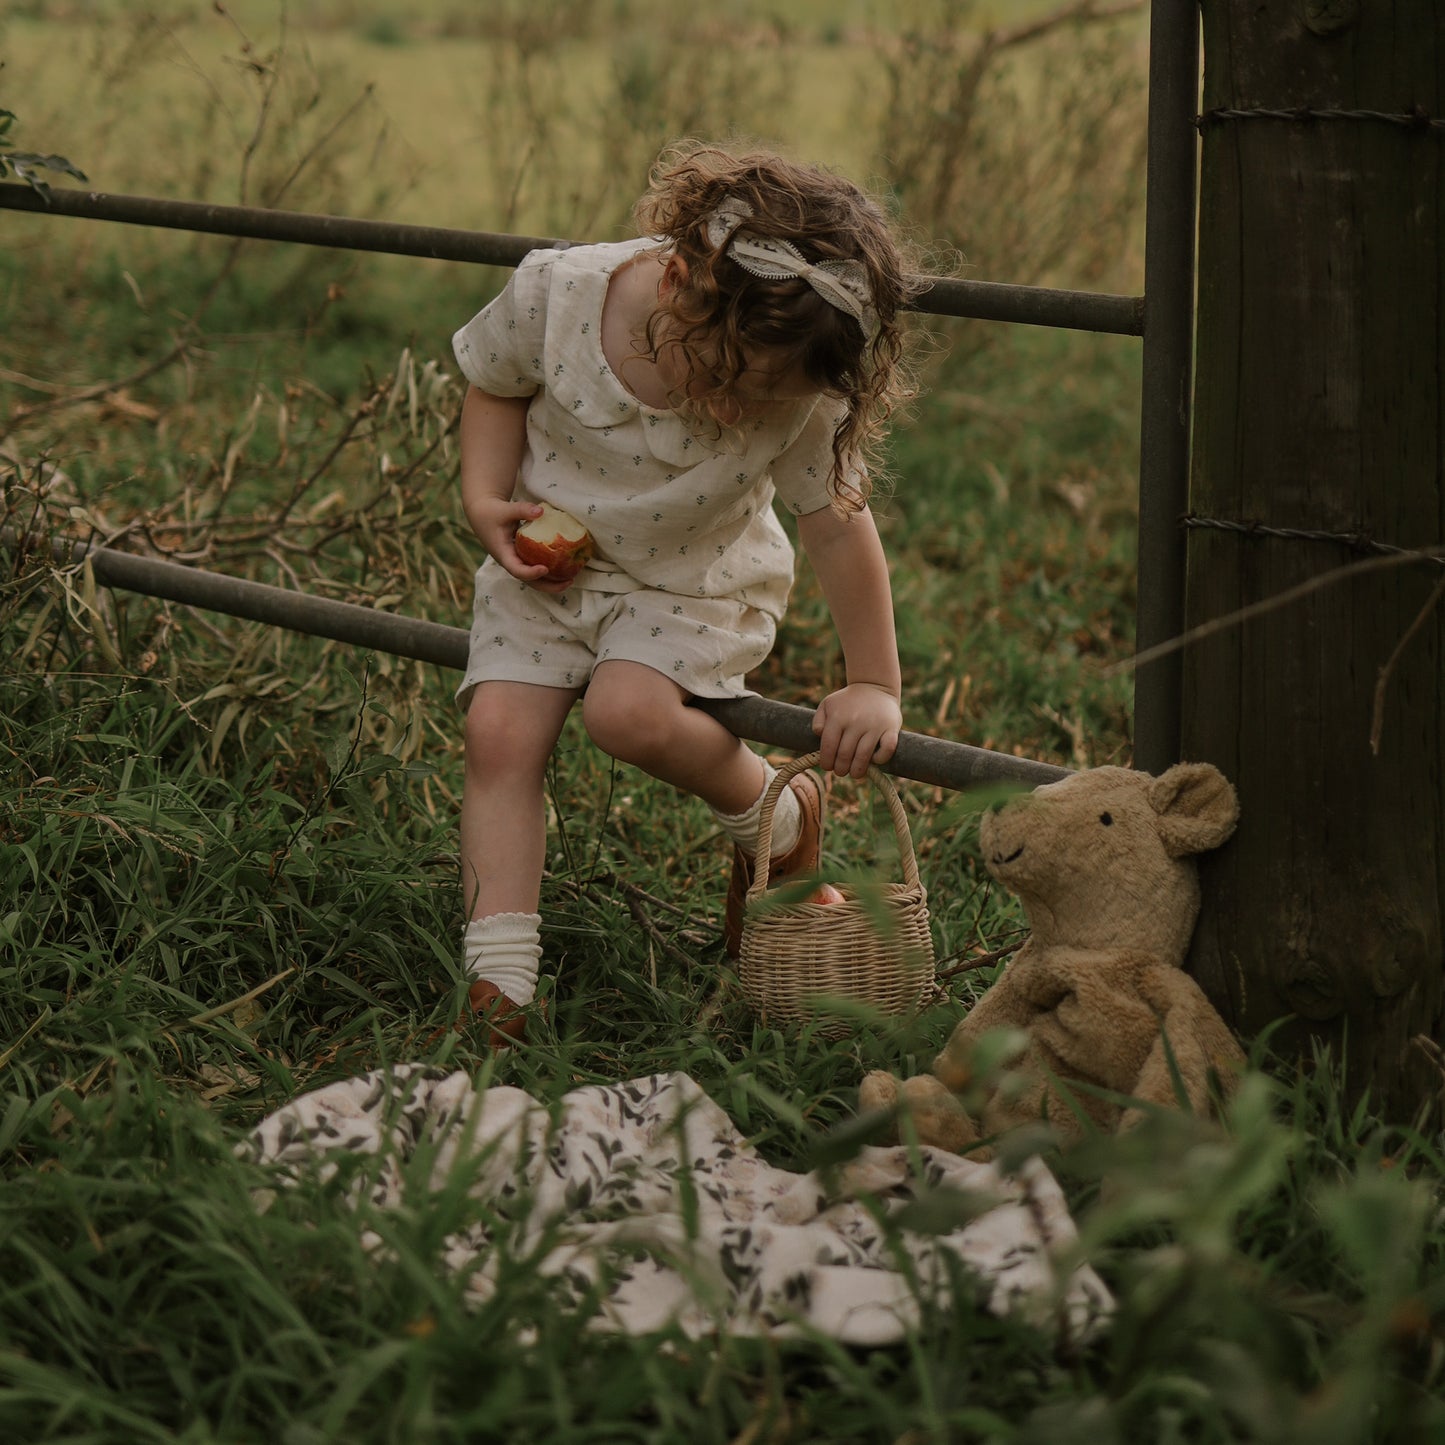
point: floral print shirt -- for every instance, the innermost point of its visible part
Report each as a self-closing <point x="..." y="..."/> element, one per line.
<point x="668" y="507"/>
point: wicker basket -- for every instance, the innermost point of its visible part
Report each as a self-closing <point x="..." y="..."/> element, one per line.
<point x="795" y="957"/>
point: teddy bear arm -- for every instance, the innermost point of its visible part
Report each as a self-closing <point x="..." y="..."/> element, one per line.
<point x="1197" y="1066"/>
<point x="1192" y="1023"/>
<point x="1002" y="1007"/>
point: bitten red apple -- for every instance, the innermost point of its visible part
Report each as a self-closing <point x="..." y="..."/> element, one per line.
<point x="555" y="540"/>
<point x="826" y="893"/>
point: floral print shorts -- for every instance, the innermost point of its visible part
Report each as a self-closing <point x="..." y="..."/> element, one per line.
<point x="706" y="644"/>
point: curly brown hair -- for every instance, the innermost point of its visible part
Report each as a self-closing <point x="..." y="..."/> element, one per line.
<point x="720" y="315"/>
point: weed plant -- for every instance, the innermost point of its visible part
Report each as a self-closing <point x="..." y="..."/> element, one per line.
<point x="227" y="862"/>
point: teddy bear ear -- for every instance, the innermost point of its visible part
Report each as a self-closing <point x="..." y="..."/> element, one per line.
<point x="1197" y="808"/>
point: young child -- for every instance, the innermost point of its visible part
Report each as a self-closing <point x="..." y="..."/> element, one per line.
<point x="663" y="391"/>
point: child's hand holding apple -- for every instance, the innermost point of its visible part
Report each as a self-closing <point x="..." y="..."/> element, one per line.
<point x="556" y="540"/>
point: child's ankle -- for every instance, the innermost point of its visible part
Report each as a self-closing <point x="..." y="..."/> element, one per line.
<point x="742" y="827"/>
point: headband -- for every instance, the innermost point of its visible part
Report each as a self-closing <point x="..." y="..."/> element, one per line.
<point x="843" y="284"/>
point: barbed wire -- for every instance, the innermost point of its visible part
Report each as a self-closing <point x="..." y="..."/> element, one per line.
<point x="1417" y="118"/>
<point x="1357" y="541"/>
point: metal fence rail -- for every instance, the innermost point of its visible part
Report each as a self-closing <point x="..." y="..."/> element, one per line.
<point x="937" y="761"/>
<point x="1163" y="318"/>
<point x="945" y="296"/>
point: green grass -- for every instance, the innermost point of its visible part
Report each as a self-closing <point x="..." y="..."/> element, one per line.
<point x="187" y="945"/>
<point x="227" y="875"/>
<point x="228" y="862"/>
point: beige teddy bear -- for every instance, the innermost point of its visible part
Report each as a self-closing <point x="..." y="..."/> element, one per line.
<point x="1103" y="865"/>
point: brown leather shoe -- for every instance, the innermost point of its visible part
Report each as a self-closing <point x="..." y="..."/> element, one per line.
<point x="505" y="1021"/>
<point x="804" y="857"/>
<point x="489" y="1007"/>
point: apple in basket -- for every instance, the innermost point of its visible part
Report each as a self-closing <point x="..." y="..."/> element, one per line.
<point x="825" y="893"/>
<point x="555" y="540"/>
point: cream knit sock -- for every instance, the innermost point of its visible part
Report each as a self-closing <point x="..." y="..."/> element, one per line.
<point x="505" y="949"/>
<point x="742" y="827"/>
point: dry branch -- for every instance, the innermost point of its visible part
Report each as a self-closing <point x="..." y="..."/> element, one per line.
<point x="1266" y="605"/>
<point x="1377" y="724"/>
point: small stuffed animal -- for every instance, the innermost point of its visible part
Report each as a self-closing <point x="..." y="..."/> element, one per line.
<point x="1103" y="864"/>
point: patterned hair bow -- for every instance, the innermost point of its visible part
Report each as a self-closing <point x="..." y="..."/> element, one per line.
<point x="843" y="284"/>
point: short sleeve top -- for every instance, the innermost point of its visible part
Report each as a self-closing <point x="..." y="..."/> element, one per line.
<point x="667" y="507"/>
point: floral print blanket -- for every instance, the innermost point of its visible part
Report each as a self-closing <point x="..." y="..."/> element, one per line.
<point x="646" y="1196"/>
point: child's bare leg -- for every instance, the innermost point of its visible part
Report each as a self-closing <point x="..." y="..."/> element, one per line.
<point x="511" y="730"/>
<point x="640" y="716"/>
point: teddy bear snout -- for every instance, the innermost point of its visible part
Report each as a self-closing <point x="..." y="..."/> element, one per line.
<point x="1003" y="832"/>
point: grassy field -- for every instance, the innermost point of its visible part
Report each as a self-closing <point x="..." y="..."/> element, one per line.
<point x="227" y="854"/>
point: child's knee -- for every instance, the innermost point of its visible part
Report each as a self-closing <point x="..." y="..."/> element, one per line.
<point x="627" y="724"/>
<point x="499" y="737"/>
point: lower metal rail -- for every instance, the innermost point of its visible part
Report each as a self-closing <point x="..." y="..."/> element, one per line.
<point x="936" y="761"/>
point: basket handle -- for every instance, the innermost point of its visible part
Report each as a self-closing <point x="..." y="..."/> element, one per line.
<point x="876" y="776"/>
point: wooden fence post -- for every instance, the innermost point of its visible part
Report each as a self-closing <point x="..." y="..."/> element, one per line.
<point x="1320" y="373"/>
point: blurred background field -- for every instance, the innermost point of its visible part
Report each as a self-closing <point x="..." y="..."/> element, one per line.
<point x="1016" y="159"/>
<point x="228" y="856"/>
